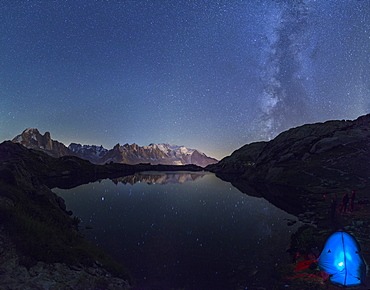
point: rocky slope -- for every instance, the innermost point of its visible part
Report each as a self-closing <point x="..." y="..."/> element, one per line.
<point x="317" y="157"/>
<point x="128" y="154"/>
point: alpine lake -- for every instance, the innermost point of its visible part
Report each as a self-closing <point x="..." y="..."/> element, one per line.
<point x="183" y="230"/>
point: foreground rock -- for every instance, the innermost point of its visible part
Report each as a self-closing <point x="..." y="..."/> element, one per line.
<point x="14" y="275"/>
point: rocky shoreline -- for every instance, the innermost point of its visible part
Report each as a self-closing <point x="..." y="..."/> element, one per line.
<point x="313" y="210"/>
<point x="14" y="275"/>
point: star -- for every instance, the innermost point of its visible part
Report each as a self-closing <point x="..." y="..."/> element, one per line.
<point x="209" y="75"/>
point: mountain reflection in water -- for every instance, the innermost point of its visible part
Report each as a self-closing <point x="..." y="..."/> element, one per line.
<point x="172" y="234"/>
<point x="159" y="177"/>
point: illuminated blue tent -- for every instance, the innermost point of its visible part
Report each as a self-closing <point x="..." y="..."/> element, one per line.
<point x="341" y="259"/>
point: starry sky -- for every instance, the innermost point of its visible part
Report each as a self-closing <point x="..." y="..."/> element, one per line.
<point x="208" y="74"/>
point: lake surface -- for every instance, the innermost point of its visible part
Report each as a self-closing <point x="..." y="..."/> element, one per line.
<point x="183" y="230"/>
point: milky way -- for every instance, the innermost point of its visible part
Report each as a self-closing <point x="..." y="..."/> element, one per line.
<point x="212" y="75"/>
<point x="291" y="71"/>
<point x="285" y="65"/>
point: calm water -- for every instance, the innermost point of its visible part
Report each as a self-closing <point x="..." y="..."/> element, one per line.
<point x="183" y="231"/>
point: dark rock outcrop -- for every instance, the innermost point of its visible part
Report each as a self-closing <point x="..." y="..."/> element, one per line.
<point x="319" y="157"/>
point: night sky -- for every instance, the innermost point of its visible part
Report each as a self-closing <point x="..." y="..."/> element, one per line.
<point x="212" y="75"/>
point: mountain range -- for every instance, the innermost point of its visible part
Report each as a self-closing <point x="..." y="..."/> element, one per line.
<point x="154" y="154"/>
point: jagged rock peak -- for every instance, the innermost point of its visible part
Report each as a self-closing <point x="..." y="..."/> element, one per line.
<point x="31" y="130"/>
<point x="77" y="146"/>
<point x="26" y="133"/>
<point x="31" y="138"/>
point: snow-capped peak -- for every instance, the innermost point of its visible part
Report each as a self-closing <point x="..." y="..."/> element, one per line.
<point x="165" y="147"/>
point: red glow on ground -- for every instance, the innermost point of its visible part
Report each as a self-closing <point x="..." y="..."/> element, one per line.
<point x="302" y="265"/>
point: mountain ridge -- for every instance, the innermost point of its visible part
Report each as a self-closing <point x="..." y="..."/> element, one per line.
<point x="164" y="153"/>
<point x="314" y="156"/>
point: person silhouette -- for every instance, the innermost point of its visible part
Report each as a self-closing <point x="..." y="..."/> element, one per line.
<point x="345" y="200"/>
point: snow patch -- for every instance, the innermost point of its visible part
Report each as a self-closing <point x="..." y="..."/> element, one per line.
<point x="30" y="130"/>
<point x="19" y="138"/>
